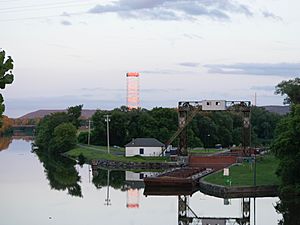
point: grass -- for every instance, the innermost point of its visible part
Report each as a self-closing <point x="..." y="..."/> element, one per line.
<point x="104" y="148"/>
<point x="205" y="151"/>
<point x="91" y="154"/>
<point x="243" y="174"/>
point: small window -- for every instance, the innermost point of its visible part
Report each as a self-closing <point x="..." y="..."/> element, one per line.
<point x="207" y="103"/>
<point x="218" y="103"/>
<point x="141" y="151"/>
<point x="141" y="176"/>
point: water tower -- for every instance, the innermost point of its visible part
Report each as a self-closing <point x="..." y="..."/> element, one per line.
<point x="133" y="90"/>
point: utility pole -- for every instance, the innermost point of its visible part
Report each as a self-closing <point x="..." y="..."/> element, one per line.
<point x="107" y="200"/>
<point x="89" y="135"/>
<point x="107" y="120"/>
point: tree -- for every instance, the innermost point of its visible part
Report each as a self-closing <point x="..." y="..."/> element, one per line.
<point x="98" y="135"/>
<point x="45" y="128"/>
<point x="286" y="145"/>
<point x="74" y="114"/>
<point x="64" y="138"/>
<point x="291" y="89"/>
<point x="47" y="137"/>
<point x="263" y="124"/>
<point x="6" y="76"/>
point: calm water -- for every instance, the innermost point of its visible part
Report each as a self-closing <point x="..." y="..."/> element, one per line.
<point x="36" y="190"/>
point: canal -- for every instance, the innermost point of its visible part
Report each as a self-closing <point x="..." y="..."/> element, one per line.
<point x="36" y="189"/>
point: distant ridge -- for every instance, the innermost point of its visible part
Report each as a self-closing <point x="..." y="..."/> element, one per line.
<point x="86" y="113"/>
<point x="281" y="110"/>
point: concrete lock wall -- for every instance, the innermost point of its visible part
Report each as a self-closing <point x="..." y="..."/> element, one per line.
<point x="214" y="162"/>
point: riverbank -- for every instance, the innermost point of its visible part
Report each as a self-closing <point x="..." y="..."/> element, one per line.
<point x="243" y="174"/>
<point x="92" y="153"/>
<point x="243" y="181"/>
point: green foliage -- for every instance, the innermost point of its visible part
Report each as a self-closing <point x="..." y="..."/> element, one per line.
<point x="6" y="67"/>
<point x="286" y="147"/>
<point x="81" y="159"/>
<point x="291" y="89"/>
<point x="6" y="76"/>
<point x="263" y="125"/>
<point x="57" y="132"/>
<point x="64" y="138"/>
<point x="83" y="137"/>
<point x="45" y="129"/>
<point x="207" y="128"/>
<point x="74" y="114"/>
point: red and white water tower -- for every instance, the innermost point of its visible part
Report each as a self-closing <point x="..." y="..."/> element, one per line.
<point x="133" y="90"/>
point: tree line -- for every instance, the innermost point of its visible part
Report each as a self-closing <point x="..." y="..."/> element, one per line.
<point x="206" y="130"/>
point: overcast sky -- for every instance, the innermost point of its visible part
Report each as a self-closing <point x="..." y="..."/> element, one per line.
<point x="77" y="52"/>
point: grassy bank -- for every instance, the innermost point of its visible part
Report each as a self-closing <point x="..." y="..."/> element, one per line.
<point x="203" y="151"/>
<point x="243" y="174"/>
<point x="91" y="154"/>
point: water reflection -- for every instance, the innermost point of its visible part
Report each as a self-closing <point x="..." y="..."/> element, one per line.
<point x="61" y="173"/>
<point x="187" y="216"/>
<point x="24" y="190"/>
<point x="5" y="142"/>
<point x="115" y="178"/>
<point x="290" y="209"/>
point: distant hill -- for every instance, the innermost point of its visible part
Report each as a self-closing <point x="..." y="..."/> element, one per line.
<point x="86" y="113"/>
<point x="282" y="110"/>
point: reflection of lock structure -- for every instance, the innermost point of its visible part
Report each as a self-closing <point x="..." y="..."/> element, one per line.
<point x="182" y="206"/>
<point x="246" y="208"/>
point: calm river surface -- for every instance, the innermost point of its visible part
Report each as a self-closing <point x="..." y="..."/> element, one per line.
<point x="38" y="190"/>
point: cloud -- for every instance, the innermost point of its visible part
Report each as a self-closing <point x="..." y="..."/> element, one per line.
<point x="189" y="64"/>
<point x="192" y="36"/>
<point x="123" y="90"/>
<point x="66" y="14"/>
<point x="263" y="88"/>
<point x="265" y="69"/>
<point x="270" y="15"/>
<point x="66" y="23"/>
<point x="167" y="72"/>
<point x="173" y="9"/>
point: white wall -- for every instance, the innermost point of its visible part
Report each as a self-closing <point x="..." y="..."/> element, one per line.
<point x="148" y="151"/>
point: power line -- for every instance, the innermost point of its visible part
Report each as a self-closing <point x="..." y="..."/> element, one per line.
<point x="39" y="7"/>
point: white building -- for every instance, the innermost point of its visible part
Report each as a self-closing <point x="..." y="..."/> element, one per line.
<point x="144" y="147"/>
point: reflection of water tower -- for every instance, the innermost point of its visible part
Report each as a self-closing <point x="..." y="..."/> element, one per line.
<point x="133" y="90"/>
<point x="133" y="198"/>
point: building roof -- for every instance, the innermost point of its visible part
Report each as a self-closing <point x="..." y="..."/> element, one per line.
<point x="144" y="142"/>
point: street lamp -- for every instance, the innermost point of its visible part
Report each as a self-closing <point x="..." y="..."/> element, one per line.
<point x="208" y="135"/>
<point x="107" y="120"/>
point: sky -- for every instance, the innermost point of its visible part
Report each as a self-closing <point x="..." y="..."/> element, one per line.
<point x="72" y="52"/>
